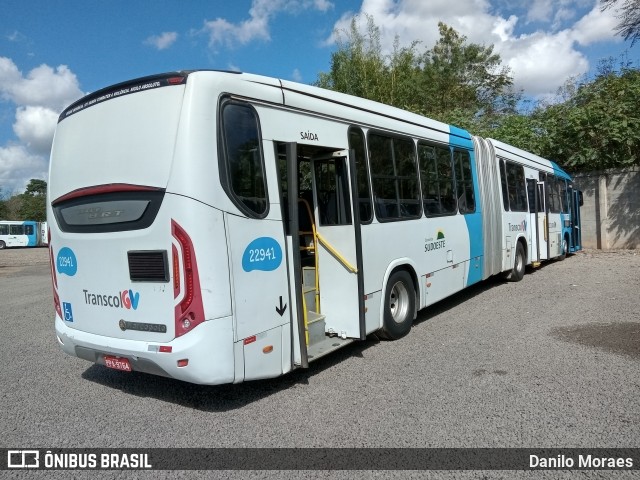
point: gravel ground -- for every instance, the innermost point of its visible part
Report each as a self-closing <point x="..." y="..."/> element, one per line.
<point x="548" y="362"/>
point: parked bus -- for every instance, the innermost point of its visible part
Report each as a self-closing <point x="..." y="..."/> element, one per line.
<point x="22" y="233"/>
<point x="217" y="227"/>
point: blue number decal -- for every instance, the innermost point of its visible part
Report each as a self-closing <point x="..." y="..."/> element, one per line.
<point x="66" y="262"/>
<point x="263" y="253"/>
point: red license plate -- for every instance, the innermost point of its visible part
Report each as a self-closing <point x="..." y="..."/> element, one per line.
<point x="117" y="363"/>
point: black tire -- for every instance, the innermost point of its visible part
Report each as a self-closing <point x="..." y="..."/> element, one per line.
<point x="519" y="264"/>
<point x="399" y="306"/>
<point x="565" y="249"/>
<point x="2" y="245"/>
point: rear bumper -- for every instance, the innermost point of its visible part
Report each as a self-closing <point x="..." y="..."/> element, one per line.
<point x="209" y="349"/>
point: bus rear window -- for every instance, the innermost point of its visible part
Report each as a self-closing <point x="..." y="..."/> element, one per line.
<point x="110" y="212"/>
<point x="242" y="166"/>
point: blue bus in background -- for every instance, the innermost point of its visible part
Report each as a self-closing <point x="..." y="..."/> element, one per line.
<point x="22" y="233"/>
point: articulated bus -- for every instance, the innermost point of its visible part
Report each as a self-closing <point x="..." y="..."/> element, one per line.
<point x="18" y="233"/>
<point x="217" y="227"/>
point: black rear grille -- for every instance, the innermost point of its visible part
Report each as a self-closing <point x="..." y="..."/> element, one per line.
<point x="148" y="266"/>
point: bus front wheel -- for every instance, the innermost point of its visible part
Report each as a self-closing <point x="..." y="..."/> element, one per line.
<point x="517" y="273"/>
<point x="2" y="245"/>
<point x="399" y="306"/>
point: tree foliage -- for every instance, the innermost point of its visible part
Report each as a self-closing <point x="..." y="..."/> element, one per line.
<point x="591" y="125"/>
<point x="453" y="80"/>
<point x="597" y="126"/>
<point x="629" y="15"/>
<point x="33" y="205"/>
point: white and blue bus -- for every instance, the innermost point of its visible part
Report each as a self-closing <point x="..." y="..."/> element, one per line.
<point x="217" y="227"/>
<point x="19" y="233"/>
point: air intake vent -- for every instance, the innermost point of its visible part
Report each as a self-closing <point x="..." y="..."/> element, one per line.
<point x="148" y="266"/>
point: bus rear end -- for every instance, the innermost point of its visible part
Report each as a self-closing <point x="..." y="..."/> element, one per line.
<point x="127" y="250"/>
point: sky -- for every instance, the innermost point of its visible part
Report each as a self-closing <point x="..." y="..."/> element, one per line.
<point x="54" y="52"/>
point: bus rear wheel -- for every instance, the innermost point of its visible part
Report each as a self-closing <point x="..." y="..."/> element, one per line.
<point x="2" y="245"/>
<point x="517" y="273"/>
<point x="399" y="306"/>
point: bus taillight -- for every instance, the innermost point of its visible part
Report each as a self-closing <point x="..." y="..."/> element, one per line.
<point x="54" y="279"/>
<point x="189" y="312"/>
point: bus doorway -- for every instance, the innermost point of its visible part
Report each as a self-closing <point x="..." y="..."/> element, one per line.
<point x="537" y="220"/>
<point x="325" y="255"/>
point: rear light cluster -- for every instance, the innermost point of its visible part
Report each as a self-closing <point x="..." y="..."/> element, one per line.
<point x="189" y="312"/>
<point x="54" y="278"/>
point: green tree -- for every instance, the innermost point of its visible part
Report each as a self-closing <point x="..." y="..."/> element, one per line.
<point x="455" y="81"/>
<point x="33" y="205"/>
<point x="629" y="15"/>
<point x="597" y="126"/>
<point x="464" y="78"/>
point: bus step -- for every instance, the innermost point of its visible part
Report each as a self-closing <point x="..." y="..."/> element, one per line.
<point x="315" y="327"/>
<point x="326" y="346"/>
<point x="309" y="276"/>
<point x="309" y="298"/>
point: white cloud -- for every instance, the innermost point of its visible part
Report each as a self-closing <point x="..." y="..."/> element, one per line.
<point x="596" y="26"/>
<point x="540" y="61"/>
<point x="34" y="127"/>
<point x="296" y="76"/>
<point x="162" y="41"/>
<point x="18" y="166"/>
<point x="42" y="86"/>
<point x="39" y="97"/>
<point x="256" y="27"/>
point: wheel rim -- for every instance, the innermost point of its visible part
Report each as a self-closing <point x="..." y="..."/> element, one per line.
<point x="399" y="302"/>
<point x="519" y="262"/>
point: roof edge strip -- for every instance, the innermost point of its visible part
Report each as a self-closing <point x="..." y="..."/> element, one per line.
<point x="446" y="128"/>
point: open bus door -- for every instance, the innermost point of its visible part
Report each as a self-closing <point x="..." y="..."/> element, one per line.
<point x="538" y="220"/>
<point x="576" y="234"/>
<point x="324" y="252"/>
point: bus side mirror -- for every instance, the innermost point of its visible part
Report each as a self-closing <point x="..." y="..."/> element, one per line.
<point x="580" y="198"/>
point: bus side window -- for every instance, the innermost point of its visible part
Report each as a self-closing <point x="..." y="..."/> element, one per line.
<point x="394" y="177"/>
<point x="356" y="143"/>
<point x="16" y="229"/>
<point x="436" y="174"/>
<point x="464" y="181"/>
<point x="242" y="172"/>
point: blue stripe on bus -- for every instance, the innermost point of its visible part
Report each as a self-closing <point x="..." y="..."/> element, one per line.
<point x="461" y="138"/>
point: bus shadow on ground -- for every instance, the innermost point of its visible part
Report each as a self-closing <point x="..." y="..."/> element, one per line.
<point x="220" y="398"/>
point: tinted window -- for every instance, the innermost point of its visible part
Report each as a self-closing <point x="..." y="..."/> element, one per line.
<point x="436" y="175"/>
<point x="356" y="143"/>
<point x="245" y="182"/>
<point x="503" y="185"/>
<point x="464" y="181"/>
<point x="394" y="177"/>
<point x="516" y="188"/>
<point x="4" y="229"/>
<point x="16" y="229"/>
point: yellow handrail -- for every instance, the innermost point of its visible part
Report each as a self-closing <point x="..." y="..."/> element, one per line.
<point x="335" y="253"/>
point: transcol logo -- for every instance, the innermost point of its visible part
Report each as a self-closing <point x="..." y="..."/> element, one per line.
<point x="125" y="299"/>
<point x="518" y="227"/>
